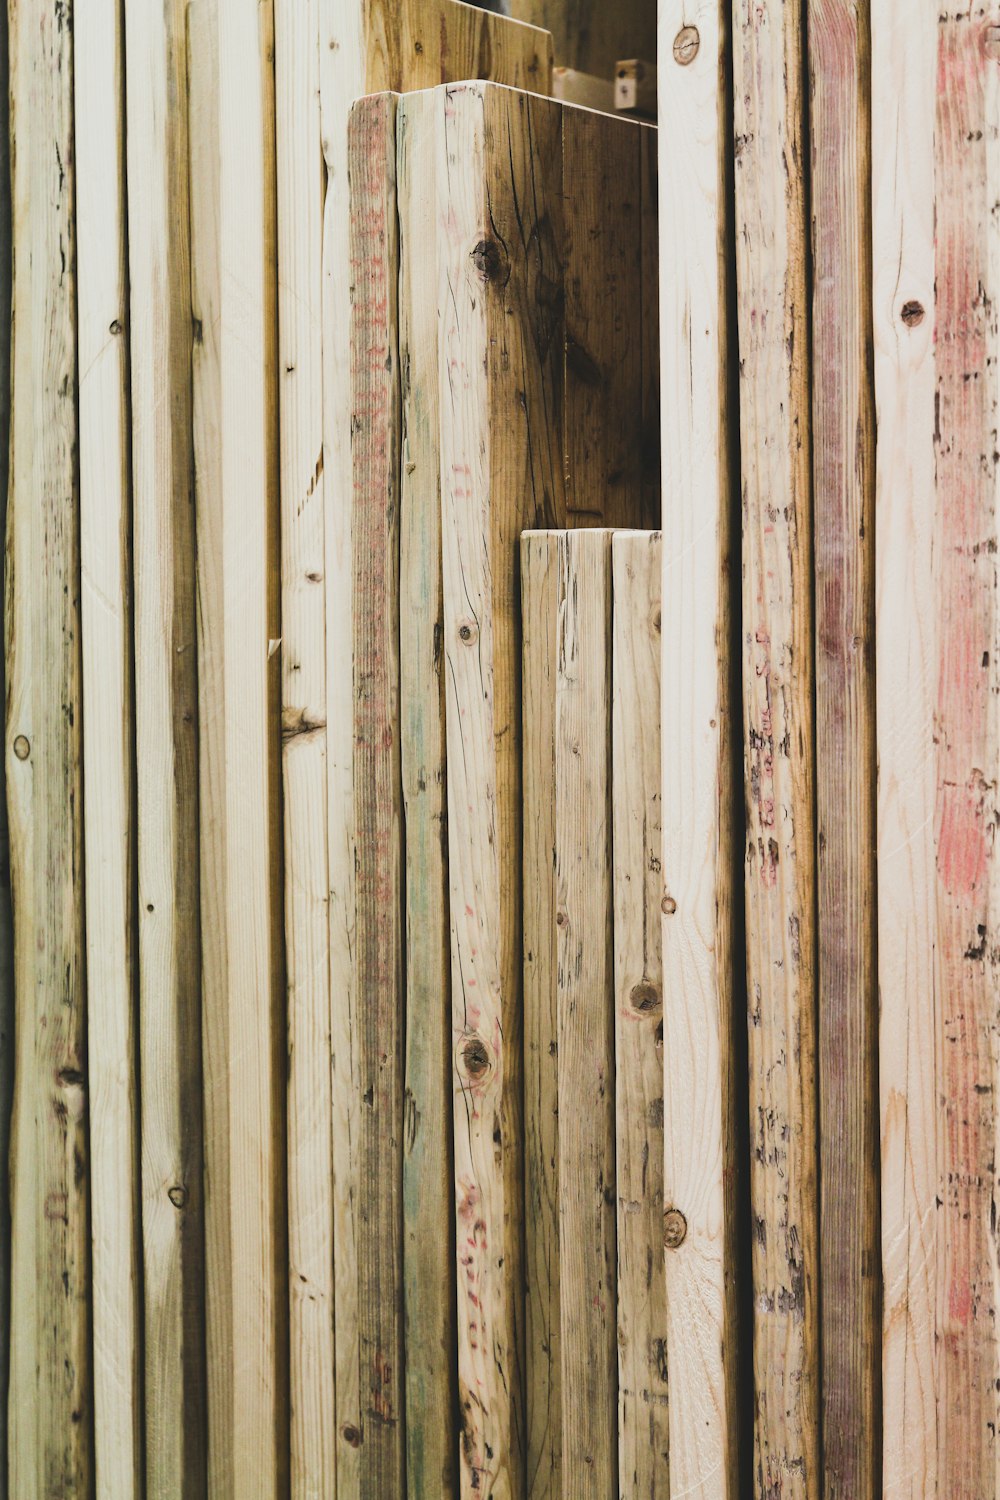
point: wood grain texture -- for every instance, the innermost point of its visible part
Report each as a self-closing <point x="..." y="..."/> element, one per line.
<point x="843" y="437"/>
<point x="108" y="746"/>
<point x="540" y="579"/>
<point x="6" y="914"/>
<point x="772" y="310"/>
<point x="421" y="43"/>
<point x="935" y="132"/>
<point x="301" y="185"/>
<point x="699" y="717"/>
<point x="591" y="36"/>
<point x="378" y="963"/>
<point x="643" y="1414"/>
<point x="167" y="751"/>
<point x="50" y="1404"/>
<point x="586" y="1021"/>
<point x="428" y="1158"/>
<point x="592" y="92"/>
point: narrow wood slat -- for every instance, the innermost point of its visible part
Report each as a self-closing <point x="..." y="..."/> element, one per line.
<point x="702" y="951"/>
<point x="50" y="1406"/>
<point x="592" y="36"/>
<point x="539" y="620"/>
<point x="428" y="1159"/>
<point x="586" y="1024"/>
<point x="108" y="745"/>
<point x="643" y="1414"/>
<point x="935" y="132"/>
<point x="167" y="751"/>
<point x="6" y="914"/>
<point x="300" y="188"/>
<point x="843" y="435"/>
<point x="378" y="939"/>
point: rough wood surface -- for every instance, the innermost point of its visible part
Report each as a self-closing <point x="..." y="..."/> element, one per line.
<point x="643" y="1415"/>
<point x="378" y="933"/>
<point x="417" y="44"/>
<point x="772" y="307"/>
<point x="108" y="745"/>
<point x="586" y="1020"/>
<point x="165" y="622"/>
<point x="50" y="1404"/>
<point x="539" y="620"/>
<point x="590" y="35"/>
<point x="843" y="436"/>
<point x="428" y="1159"/>
<point x="301" y="182"/>
<point x="935" y="132"/>
<point x="6" y="914"/>
<point x="701" y="956"/>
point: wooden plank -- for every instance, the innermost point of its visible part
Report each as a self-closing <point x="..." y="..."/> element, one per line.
<point x="937" y="622"/>
<point x="843" y="435"/>
<point x="635" y="88"/>
<point x="586" y="1022"/>
<point x="573" y="87"/>
<point x="50" y="1409"/>
<point x="167" y="751"/>
<point x="772" y="308"/>
<point x="421" y="43"/>
<point x="543" y="1362"/>
<point x="592" y="36"/>
<point x="701" y="945"/>
<point x="428" y="1161"/>
<point x="378" y="964"/>
<point x="643" y="1414"/>
<point x="108" y="745"/>
<point x="301" y="186"/>
<point x="6" y="914"/>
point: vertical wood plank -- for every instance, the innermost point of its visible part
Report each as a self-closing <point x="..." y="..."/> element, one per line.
<point x="378" y="963"/>
<point x="428" y="1157"/>
<point x="108" y="744"/>
<point x="643" y="1415"/>
<point x="167" y="750"/>
<point x="843" y="469"/>
<point x="700" y="898"/>
<point x="543" y="1363"/>
<point x="50" y="1404"/>
<point x="301" y="184"/>
<point x="6" y="914"/>
<point x="585" y="1010"/>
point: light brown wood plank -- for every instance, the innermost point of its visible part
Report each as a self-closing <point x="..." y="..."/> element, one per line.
<point x="539" y="618"/>
<point x="772" y="308"/>
<point x="167" y="751"/>
<point x="585" y="89"/>
<point x="417" y="44"/>
<point x="844" y="473"/>
<point x="428" y="1161"/>
<point x="301" y="183"/>
<point x="643" y="1413"/>
<point x="590" y="35"/>
<point x="108" y="746"/>
<point x="6" y="914"/>
<point x="702" y="952"/>
<point x="635" y="88"/>
<point x="50" y="1404"/>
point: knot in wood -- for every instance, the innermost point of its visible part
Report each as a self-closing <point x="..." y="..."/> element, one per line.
<point x="22" y="748"/>
<point x="178" y="1196"/>
<point x="675" y="1228"/>
<point x="686" y="44"/>
<point x="668" y="906"/>
<point x="351" y="1436"/>
<point x="913" y="313"/>
<point x="645" y="997"/>
<point x="489" y="260"/>
<point x="467" y="632"/>
<point x="475" y="1057"/>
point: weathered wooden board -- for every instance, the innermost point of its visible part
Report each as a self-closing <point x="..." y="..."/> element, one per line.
<point x="301" y="187"/>
<point x="540" y="582"/>
<point x="935" y="138"/>
<point x="590" y="35"/>
<point x="50" y="1403"/>
<point x="702" y="953"/>
<point x="843" y="437"/>
<point x="166" y="697"/>
<point x="234" y="253"/>
<point x="643" y="1416"/>
<point x="6" y="914"/>
<point x="772" y="309"/>
<point x="108" y="745"/>
<point x="428" y="1165"/>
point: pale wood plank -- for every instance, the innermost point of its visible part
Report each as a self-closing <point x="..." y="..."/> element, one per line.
<point x="590" y="35"/>
<point x="6" y="914"/>
<point x="108" y="745"/>
<point x="643" y="1415"/>
<point x="539" y="619"/>
<point x="167" y="750"/>
<point x="301" y="188"/>
<point x="428" y="1162"/>
<point x="844" y="472"/>
<point x="772" y="308"/>
<point x="50" y="1404"/>
<point x="378" y="946"/>
<point x="701" y="953"/>
<point x="586" y="1019"/>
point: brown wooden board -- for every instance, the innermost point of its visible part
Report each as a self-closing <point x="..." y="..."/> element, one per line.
<point x="591" y="35"/>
